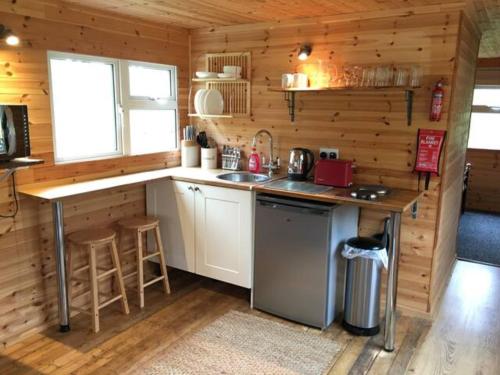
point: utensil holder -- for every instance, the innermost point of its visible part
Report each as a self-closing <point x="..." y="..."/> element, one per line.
<point x="190" y="154"/>
<point x="208" y="158"/>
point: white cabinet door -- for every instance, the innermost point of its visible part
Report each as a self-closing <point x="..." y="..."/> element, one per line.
<point x="173" y="203"/>
<point x="224" y="234"/>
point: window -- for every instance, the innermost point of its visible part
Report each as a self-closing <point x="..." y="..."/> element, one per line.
<point x="485" y="119"/>
<point x="106" y="107"/>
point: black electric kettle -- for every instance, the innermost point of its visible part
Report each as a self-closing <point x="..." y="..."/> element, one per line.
<point x="300" y="163"/>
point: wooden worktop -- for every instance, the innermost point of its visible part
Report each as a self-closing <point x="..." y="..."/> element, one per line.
<point x="54" y="192"/>
<point x="398" y="201"/>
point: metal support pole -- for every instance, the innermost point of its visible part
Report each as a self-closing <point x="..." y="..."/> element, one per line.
<point x="58" y="213"/>
<point x="392" y="282"/>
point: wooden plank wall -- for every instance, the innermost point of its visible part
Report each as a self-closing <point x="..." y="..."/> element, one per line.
<point x="456" y="145"/>
<point x="27" y="282"/>
<point x="484" y="192"/>
<point x="484" y="189"/>
<point x="369" y="128"/>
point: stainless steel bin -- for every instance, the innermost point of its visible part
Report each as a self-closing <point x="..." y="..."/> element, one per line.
<point x="362" y="291"/>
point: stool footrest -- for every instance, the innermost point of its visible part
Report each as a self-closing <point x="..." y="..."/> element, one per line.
<point x="107" y="273"/>
<point x="153" y="281"/>
<point x="81" y="279"/>
<point x="81" y="310"/>
<point x="83" y="268"/>
<point x="130" y="275"/>
<point x="149" y="256"/>
<point x="110" y="301"/>
<point x="130" y="251"/>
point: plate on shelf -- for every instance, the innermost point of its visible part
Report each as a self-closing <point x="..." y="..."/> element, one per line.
<point x="206" y="75"/>
<point x="226" y="75"/>
<point x="213" y="102"/>
<point x="199" y="101"/>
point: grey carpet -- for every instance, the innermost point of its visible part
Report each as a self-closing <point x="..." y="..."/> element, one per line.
<point x="479" y="237"/>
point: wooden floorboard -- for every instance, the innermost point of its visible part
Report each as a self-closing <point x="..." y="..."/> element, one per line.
<point x="464" y="339"/>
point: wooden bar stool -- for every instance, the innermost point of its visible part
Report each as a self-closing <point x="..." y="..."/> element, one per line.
<point x="93" y="240"/>
<point x="140" y="225"/>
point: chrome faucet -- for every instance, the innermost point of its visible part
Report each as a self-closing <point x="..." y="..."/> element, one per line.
<point x="273" y="164"/>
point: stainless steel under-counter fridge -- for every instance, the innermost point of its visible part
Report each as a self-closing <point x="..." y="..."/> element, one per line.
<point x="298" y="266"/>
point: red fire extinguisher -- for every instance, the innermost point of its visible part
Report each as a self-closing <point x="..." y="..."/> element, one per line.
<point x="437" y="102"/>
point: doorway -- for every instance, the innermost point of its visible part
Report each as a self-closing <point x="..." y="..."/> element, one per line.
<point x="479" y="230"/>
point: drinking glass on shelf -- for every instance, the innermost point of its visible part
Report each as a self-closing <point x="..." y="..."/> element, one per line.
<point x="383" y="75"/>
<point x="416" y="74"/>
<point x="357" y="75"/>
<point x="347" y="72"/>
<point x="401" y="75"/>
<point x="368" y="76"/>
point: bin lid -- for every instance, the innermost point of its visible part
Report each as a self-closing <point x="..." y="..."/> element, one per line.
<point x="365" y="243"/>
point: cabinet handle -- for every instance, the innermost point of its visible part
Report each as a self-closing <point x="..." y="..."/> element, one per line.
<point x="190" y="188"/>
<point x="197" y="188"/>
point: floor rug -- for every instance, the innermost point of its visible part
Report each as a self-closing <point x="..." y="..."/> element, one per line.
<point x="239" y="343"/>
<point x="479" y="237"/>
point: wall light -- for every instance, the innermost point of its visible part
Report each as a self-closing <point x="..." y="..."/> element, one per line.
<point x="10" y="38"/>
<point x="304" y="51"/>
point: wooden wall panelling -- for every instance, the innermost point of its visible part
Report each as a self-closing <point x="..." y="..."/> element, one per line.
<point x="196" y="14"/>
<point x="456" y="145"/>
<point x="27" y="273"/>
<point x="484" y="189"/>
<point x="369" y="128"/>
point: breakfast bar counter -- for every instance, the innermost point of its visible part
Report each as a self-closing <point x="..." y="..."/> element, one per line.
<point x="397" y="202"/>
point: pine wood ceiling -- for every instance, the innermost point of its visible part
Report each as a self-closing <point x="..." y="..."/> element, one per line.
<point x="204" y="13"/>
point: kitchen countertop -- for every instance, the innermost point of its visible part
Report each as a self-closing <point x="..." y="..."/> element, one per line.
<point x="398" y="201"/>
<point x="53" y="192"/>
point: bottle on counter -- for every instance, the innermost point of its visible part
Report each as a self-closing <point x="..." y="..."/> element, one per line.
<point x="254" y="161"/>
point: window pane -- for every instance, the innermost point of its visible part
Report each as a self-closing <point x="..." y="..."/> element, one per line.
<point x="149" y="82"/>
<point x="485" y="131"/>
<point x="152" y="131"/>
<point x="487" y="97"/>
<point x="83" y="100"/>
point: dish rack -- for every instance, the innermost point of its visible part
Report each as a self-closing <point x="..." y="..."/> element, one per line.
<point x="235" y="91"/>
<point x="231" y="158"/>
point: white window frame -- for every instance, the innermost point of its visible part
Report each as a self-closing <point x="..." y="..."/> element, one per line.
<point x="118" y="118"/>
<point x="123" y="102"/>
<point x="129" y="102"/>
<point x="486" y="109"/>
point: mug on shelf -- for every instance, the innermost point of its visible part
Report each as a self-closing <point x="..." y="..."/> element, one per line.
<point x="300" y="80"/>
<point x="287" y="81"/>
<point x="234" y="70"/>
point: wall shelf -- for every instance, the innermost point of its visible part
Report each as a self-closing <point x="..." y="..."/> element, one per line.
<point x="235" y="91"/>
<point x="209" y="116"/>
<point x="289" y="95"/>
<point x="235" y="80"/>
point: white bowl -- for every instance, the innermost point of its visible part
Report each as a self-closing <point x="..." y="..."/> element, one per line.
<point x="232" y="69"/>
<point x="206" y="75"/>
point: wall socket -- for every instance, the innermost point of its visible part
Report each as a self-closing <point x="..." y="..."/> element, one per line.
<point x="331" y="153"/>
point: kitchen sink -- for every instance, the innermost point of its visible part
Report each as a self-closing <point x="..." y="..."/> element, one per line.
<point x="243" y="177"/>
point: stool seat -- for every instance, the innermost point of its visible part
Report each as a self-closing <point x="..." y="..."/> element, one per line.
<point x="142" y="223"/>
<point x="94" y="236"/>
<point x="365" y="243"/>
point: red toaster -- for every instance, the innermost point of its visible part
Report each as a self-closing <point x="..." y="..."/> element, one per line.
<point x="333" y="172"/>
